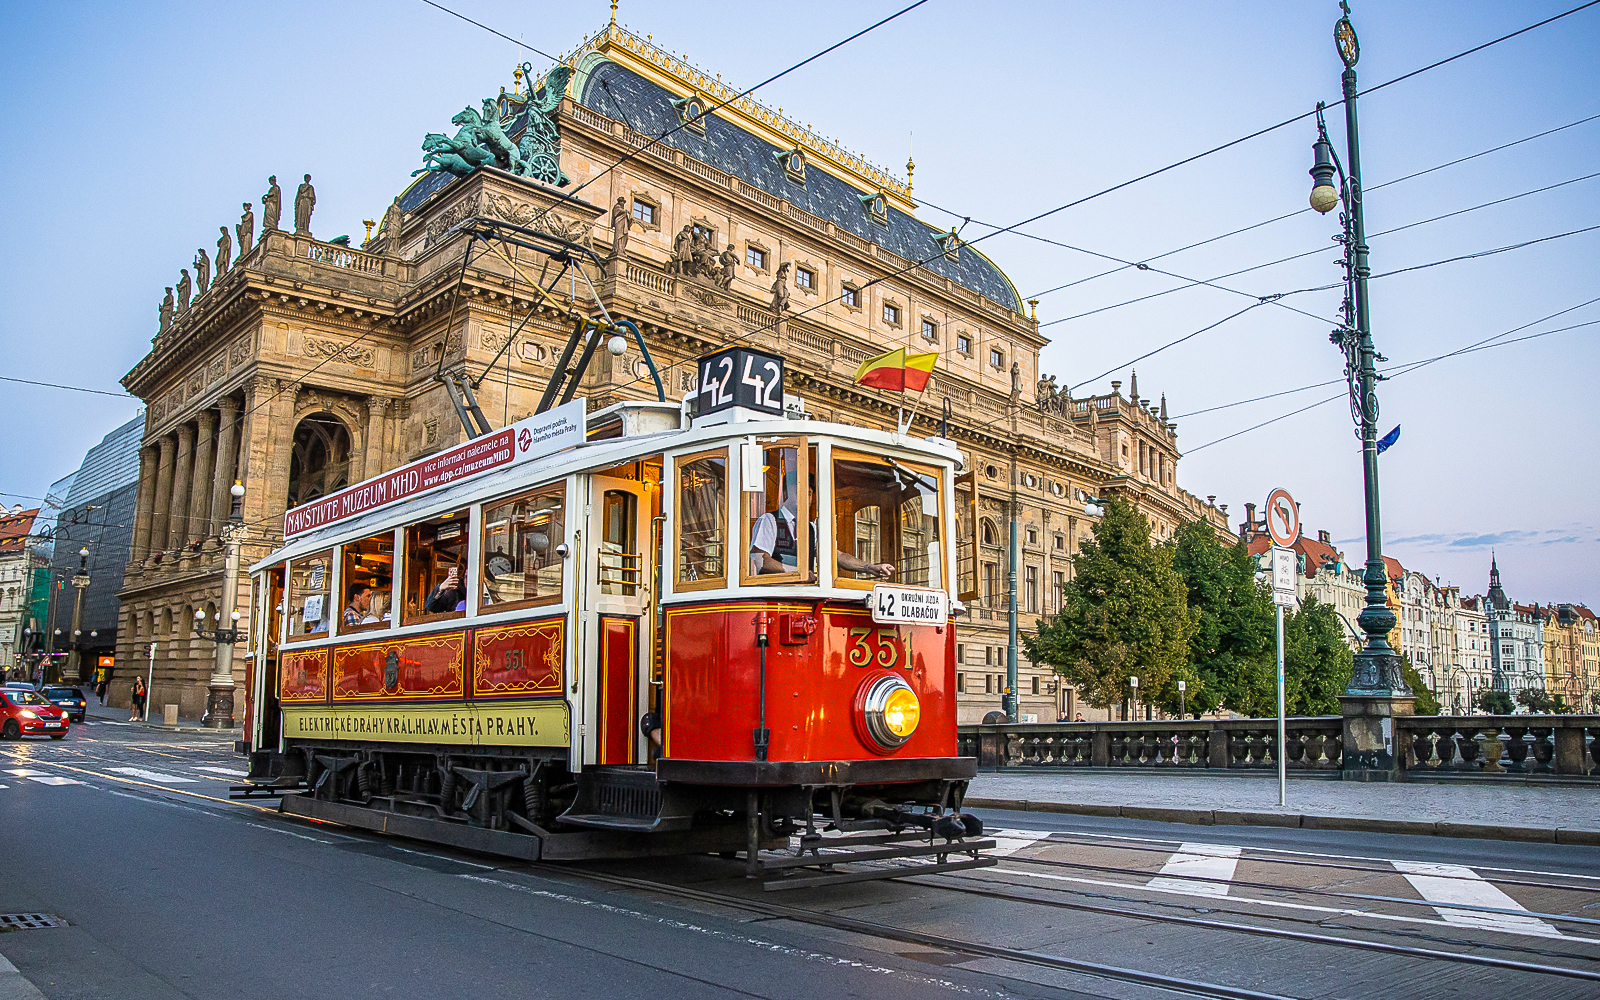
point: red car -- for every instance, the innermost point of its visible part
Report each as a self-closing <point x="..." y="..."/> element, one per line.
<point x="29" y="713"/>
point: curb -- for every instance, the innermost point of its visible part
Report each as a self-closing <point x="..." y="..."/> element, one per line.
<point x="1220" y="817"/>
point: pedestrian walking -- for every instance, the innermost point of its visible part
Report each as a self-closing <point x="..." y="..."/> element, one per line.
<point x="101" y="685"/>
<point x="137" y="695"/>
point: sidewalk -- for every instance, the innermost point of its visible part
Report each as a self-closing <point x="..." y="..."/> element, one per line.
<point x="105" y="713"/>
<point x="1566" y="814"/>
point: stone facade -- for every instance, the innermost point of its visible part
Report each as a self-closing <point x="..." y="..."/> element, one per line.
<point x="1572" y="655"/>
<point x="18" y="560"/>
<point x="309" y="365"/>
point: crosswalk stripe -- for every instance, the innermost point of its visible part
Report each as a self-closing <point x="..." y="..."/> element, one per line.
<point x="1438" y="883"/>
<point x="1199" y="861"/>
<point x="53" y="779"/>
<point x="1011" y="841"/>
<point x="157" y="776"/>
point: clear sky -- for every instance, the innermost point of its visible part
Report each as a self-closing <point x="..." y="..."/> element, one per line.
<point x="138" y="129"/>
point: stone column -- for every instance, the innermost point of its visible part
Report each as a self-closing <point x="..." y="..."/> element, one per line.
<point x="205" y="454"/>
<point x="178" y="526"/>
<point x="160" y="517"/>
<point x="227" y="457"/>
<point x="377" y="407"/>
<point x="148" y="463"/>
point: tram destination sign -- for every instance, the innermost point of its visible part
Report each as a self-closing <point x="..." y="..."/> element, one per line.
<point x="743" y="377"/>
<point x="895" y="605"/>
<point x="532" y="437"/>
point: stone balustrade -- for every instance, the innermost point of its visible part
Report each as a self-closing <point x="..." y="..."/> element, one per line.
<point x="1564" y="745"/>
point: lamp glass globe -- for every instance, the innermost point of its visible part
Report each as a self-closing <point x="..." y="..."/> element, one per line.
<point x="1324" y="197"/>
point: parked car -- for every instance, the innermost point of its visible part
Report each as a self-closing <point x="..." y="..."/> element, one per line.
<point x="29" y="713"/>
<point x="21" y="685"/>
<point x="68" y="699"/>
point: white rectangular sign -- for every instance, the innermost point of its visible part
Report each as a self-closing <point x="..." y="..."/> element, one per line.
<point x="1283" y="573"/>
<point x="896" y="605"/>
<point x="532" y="437"/>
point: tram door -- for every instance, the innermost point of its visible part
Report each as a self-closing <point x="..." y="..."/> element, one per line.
<point x="620" y="602"/>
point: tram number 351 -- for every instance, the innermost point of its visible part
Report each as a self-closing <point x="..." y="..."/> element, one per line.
<point x="885" y="647"/>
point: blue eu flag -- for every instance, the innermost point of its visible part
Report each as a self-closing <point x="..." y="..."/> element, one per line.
<point x="1388" y="440"/>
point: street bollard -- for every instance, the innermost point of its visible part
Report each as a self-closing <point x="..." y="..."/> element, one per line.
<point x="170" y="713"/>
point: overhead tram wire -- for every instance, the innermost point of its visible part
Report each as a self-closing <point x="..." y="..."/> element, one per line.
<point x="1162" y="170"/>
<point x="515" y="41"/>
<point x="73" y="388"/>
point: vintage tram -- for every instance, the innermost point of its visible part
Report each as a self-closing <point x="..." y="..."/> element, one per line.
<point x="714" y="626"/>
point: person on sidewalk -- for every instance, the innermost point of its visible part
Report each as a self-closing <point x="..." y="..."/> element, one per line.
<point x="101" y="684"/>
<point x="137" y="696"/>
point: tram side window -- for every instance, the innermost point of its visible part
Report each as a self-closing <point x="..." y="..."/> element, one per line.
<point x="367" y="579"/>
<point x="702" y="516"/>
<point x="774" y="533"/>
<point x="311" y="595"/>
<point x="436" y="569"/>
<point x="520" y="564"/>
<point x="886" y="521"/>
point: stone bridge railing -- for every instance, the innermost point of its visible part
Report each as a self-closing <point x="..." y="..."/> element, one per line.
<point x="1567" y="745"/>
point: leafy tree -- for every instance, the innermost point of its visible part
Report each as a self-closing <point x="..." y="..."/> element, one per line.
<point x="1426" y="703"/>
<point x="1123" y="614"/>
<point x="1541" y="702"/>
<point x="1493" y="702"/>
<point x="1317" y="661"/>
<point x="1231" y="651"/>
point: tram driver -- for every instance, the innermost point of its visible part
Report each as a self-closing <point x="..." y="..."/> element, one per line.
<point x="773" y="539"/>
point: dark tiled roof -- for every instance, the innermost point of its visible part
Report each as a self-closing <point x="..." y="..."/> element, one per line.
<point x="648" y="109"/>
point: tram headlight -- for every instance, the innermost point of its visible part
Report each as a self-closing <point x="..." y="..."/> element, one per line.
<point x="890" y="711"/>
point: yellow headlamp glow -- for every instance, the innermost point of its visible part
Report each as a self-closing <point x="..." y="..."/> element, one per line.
<point x="890" y="711"/>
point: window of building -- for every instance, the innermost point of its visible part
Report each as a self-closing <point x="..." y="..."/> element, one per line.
<point x="1061" y="542"/>
<point x="850" y="296"/>
<point x="367" y="576"/>
<point x="702" y="515"/>
<point x="1034" y="684"/>
<point x="1030" y="589"/>
<point x="996" y="358"/>
<point x="990" y="535"/>
<point x="991" y="583"/>
<point x="891" y="314"/>
<point x="805" y="278"/>
<point x="1057" y="584"/>
<point x="961" y="652"/>
<point x="961" y="683"/>
<point x="886" y="522"/>
<point x="644" y="212"/>
<point x="930" y="331"/>
<point x="1033" y="536"/>
<point x="963" y="343"/>
<point x="777" y="540"/>
<point x="756" y="258"/>
<point x="311" y="595"/>
<point x="988" y="683"/>
<point x="436" y="569"/>
<point x="521" y="567"/>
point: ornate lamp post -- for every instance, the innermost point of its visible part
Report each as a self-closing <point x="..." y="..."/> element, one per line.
<point x="219" y="706"/>
<point x="1377" y="688"/>
<point x="80" y="583"/>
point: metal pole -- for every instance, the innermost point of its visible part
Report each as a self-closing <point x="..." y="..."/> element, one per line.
<point x="1010" y="702"/>
<point x="150" y="680"/>
<point x="219" y="703"/>
<point x="80" y="583"/>
<point x="1283" y="767"/>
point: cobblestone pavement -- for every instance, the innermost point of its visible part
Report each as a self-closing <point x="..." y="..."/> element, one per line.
<point x="1510" y="804"/>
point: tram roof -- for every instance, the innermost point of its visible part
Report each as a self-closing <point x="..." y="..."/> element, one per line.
<point x="587" y="457"/>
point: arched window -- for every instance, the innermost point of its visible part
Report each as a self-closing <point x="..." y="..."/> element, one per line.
<point x="990" y="535"/>
<point x="320" y="460"/>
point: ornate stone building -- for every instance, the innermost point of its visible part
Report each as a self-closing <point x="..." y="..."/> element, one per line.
<point x="308" y="365"/>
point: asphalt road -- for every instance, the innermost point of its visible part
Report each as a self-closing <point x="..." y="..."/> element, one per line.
<point x="166" y="889"/>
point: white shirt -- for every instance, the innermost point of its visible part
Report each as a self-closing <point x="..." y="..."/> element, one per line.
<point x="764" y="536"/>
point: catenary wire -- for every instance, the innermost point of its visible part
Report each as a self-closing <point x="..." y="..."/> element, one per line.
<point x="515" y="41"/>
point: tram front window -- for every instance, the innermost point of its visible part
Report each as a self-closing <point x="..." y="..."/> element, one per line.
<point x="775" y="534"/>
<point x="520" y="535"/>
<point x="886" y="522"/>
<point x="436" y="569"/>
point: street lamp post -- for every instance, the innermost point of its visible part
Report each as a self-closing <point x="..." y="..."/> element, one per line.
<point x="1183" y="711"/>
<point x="1133" y="699"/>
<point x="80" y="583"/>
<point x="1377" y="689"/>
<point x="219" y="704"/>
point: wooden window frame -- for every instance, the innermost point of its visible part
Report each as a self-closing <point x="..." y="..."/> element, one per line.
<point x="291" y="596"/>
<point x="680" y="585"/>
<point x="483" y="527"/>
<point x="338" y="622"/>
<point x="802" y="523"/>
<point x="428" y="617"/>
<point x="933" y="472"/>
<point x="970" y="480"/>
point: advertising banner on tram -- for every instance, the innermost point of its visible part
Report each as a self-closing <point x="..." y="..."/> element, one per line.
<point x="533" y="437"/>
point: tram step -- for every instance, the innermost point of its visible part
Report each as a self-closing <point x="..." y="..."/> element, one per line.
<point x="626" y="799"/>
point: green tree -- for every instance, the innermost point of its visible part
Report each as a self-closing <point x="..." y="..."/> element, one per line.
<point x="1123" y="614"/>
<point x="1426" y="703"/>
<point x="1317" y="662"/>
<point x="1541" y="702"/>
<point x="1231" y="651"/>
<point x="1493" y="702"/>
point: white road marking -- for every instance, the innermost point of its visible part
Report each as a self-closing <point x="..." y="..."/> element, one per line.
<point x="1011" y="841"/>
<point x="52" y="779"/>
<point x="1459" y="884"/>
<point x="158" y="776"/>
<point x="227" y="772"/>
<point x="1199" y="861"/>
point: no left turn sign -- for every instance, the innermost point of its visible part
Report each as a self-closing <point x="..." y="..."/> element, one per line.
<point x="1283" y="518"/>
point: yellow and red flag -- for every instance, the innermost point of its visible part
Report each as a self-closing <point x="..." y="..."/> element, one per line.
<point x="897" y="371"/>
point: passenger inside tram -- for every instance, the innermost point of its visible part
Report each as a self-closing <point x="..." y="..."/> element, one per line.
<point x="775" y="534"/>
<point x="435" y="554"/>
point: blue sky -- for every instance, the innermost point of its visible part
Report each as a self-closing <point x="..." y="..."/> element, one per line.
<point x="138" y="129"/>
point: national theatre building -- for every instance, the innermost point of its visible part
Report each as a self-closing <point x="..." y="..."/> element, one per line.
<point x="306" y="365"/>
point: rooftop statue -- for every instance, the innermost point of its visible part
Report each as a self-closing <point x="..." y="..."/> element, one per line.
<point x="184" y="289"/>
<point x="271" y="206"/>
<point x="246" y="229"/>
<point x="305" y="200"/>
<point x="166" y="310"/>
<point x="482" y="138"/>
<point x="224" y="251"/>
<point x="202" y="271"/>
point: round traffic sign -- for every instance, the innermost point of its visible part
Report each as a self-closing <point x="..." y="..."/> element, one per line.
<point x="1283" y="518"/>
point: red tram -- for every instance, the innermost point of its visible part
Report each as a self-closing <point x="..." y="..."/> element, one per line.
<point x="614" y="634"/>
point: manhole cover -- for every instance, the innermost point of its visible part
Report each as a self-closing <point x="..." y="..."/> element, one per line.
<point x="28" y="921"/>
